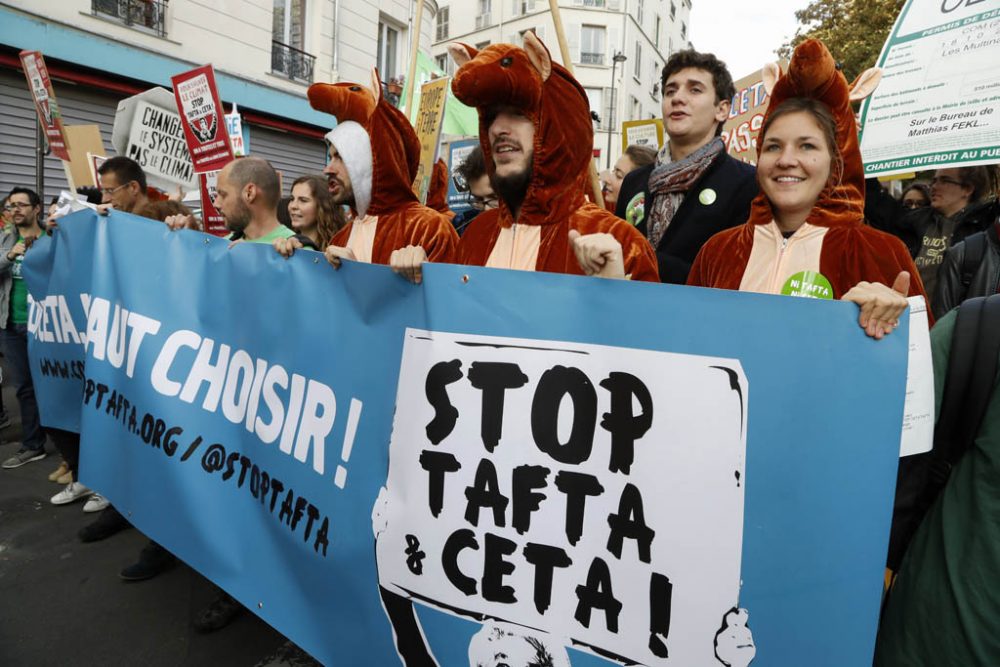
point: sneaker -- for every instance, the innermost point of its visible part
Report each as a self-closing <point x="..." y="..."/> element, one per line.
<point x="108" y="522"/>
<point x="153" y="560"/>
<point x="24" y="456"/>
<point x="95" y="503"/>
<point x="65" y="479"/>
<point x="59" y="472"/>
<point x="73" y="491"/>
<point x="217" y="615"/>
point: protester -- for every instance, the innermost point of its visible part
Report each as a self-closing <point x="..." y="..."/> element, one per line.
<point x="634" y="157"/>
<point x="472" y="176"/>
<point x="970" y="268"/>
<point x="543" y="222"/>
<point x="7" y="213"/>
<point x="376" y="184"/>
<point x="312" y="211"/>
<point x="695" y="188"/>
<point x="808" y="218"/>
<point x="24" y="207"/>
<point x="916" y="195"/>
<point x="123" y="184"/>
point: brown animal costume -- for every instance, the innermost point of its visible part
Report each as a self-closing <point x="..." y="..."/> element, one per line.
<point x="388" y="214"/>
<point x="834" y="241"/>
<point x="437" y="193"/>
<point x="548" y="95"/>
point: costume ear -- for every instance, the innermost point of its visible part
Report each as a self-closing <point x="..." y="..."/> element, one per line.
<point x="461" y="53"/>
<point x="770" y="73"/>
<point x="865" y="84"/>
<point x="538" y="55"/>
<point x="376" y="85"/>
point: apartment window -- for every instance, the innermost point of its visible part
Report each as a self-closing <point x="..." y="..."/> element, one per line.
<point x="482" y="45"/>
<point x="592" y="3"/>
<point x="484" y="18"/>
<point x="655" y="74"/>
<point x="523" y="7"/>
<point x="522" y="33"/>
<point x="636" y="108"/>
<point x="592" y="44"/>
<point x="441" y="62"/>
<point x="656" y="33"/>
<point x="595" y="96"/>
<point x="639" y="12"/>
<point x="145" y="14"/>
<point x="388" y="49"/>
<point x="673" y="10"/>
<point x="442" y="24"/>
<point x="287" y="34"/>
<point x="684" y="31"/>
<point x="637" y="65"/>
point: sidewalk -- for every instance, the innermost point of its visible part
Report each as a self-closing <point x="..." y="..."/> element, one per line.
<point x="62" y="603"/>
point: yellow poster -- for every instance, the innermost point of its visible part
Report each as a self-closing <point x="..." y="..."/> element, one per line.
<point x="428" y="126"/>
<point x="642" y="133"/>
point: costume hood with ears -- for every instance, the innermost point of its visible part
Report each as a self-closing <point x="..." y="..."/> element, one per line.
<point x="437" y="193"/>
<point x="834" y="241"/>
<point x="385" y="175"/>
<point x="526" y="79"/>
<point x="381" y="153"/>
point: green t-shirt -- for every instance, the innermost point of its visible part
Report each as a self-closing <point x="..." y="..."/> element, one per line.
<point x="18" y="291"/>
<point x="280" y="232"/>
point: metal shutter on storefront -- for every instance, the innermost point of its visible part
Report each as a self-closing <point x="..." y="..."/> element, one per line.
<point x="291" y="154"/>
<point x="18" y="126"/>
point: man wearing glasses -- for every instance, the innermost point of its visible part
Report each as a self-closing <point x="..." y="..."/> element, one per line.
<point x="123" y="185"/>
<point x="24" y="207"/>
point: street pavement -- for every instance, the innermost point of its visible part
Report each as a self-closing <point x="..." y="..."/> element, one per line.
<point x="62" y="602"/>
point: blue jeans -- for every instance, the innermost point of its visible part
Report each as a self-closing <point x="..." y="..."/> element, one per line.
<point x="15" y="349"/>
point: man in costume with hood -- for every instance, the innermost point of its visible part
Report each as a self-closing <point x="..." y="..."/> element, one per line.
<point x="536" y="134"/>
<point x="375" y="181"/>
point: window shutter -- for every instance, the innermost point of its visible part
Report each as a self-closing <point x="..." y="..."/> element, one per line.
<point x="515" y="8"/>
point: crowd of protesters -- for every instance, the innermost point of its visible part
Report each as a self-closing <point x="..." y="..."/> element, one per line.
<point x="688" y="213"/>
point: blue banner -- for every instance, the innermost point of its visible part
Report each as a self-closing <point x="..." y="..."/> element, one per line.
<point x="493" y="461"/>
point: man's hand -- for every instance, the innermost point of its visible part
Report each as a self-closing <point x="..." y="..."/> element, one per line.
<point x="335" y="253"/>
<point x="881" y="306"/>
<point x="287" y="247"/>
<point x="181" y="221"/>
<point x="598" y="254"/>
<point x="407" y="262"/>
<point x="16" y="251"/>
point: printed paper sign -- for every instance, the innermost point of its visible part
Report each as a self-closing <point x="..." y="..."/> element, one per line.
<point x="46" y="106"/>
<point x="234" y="128"/>
<point x="642" y="133"/>
<point x="210" y="216"/>
<point x="594" y="494"/>
<point x="156" y="142"/>
<point x="937" y="104"/>
<point x="432" y="98"/>
<point x="918" y="415"/>
<point x="201" y="112"/>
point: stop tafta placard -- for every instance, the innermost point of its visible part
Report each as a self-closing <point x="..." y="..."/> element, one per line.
<point x="46" y="106"/>
<point x="202" y="115"/>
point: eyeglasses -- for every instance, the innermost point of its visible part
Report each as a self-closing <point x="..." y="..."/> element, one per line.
<point x="16" y="204"/>
<point x="913" y="203"/>
<point x="111" y="191"/>
<point x="944" y="180"/>
<point x="483" y="203"/>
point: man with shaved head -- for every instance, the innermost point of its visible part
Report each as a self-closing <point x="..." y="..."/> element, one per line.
<point x="247" y="194"/>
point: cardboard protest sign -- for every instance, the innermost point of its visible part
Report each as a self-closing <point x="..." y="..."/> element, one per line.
<point x="148" y="130"/>
<point x="46" y="106"/>
<point x="428" y="126"/>
<point x="937" y="105"/>
<point x="212" y="220"/>
<point x="234" y="128"/>
<point x="522" y="502"/>
<point x="202" y="118"/>
<point x="746" y="115"/>
<point x="642" y="133"/>
<point x="84" y="140"/>
<point x="458" y="151"/>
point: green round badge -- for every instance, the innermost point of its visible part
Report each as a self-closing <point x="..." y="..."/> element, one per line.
<point x="635" y="210"/>
<point x="707" y="196"/>
<point x="808" y="284"/>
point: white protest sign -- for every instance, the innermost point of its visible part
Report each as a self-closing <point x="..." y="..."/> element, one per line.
<point x="937" y="104"/>
<point x="917" y="436"/>
<point x="592" y="493"/>
<point x="234" y="127"/>
<point x="148" y="129"/>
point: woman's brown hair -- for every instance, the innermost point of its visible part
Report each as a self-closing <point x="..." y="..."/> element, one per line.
<point x="329" y="217"/>
<point x="824" y="119"/>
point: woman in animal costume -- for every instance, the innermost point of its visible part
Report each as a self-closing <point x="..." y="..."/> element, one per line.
<point x="806" y="234"/>
<point x="538" y="236"/>
<point x="388" y="215"/>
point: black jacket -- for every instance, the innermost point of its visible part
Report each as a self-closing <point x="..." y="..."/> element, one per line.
<point x="984" y="278"/>
<point x="733" y="184"/>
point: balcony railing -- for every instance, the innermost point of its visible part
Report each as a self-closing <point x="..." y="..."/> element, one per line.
<point x="148" y="14"/>
<point x="593" y="3"/>
<point x="591" y="58"/>
<point x="292" y="62"/>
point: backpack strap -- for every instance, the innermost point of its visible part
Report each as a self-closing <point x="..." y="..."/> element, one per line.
<point x="975" y="251"/>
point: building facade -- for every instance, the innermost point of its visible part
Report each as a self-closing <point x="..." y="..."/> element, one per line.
<point x="265" y="53"/>
<point x="641" y="32"/>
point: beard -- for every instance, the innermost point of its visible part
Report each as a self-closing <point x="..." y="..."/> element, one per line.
<point x="513" y="187"/>
<point x="239" y="219"/>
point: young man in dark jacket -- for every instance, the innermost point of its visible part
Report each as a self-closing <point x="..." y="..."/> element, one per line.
<point x="695" y="188"/>
<point x="971" y="267"/>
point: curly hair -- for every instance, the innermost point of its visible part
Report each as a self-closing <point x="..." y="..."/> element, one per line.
<point x="329" y="217"/>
